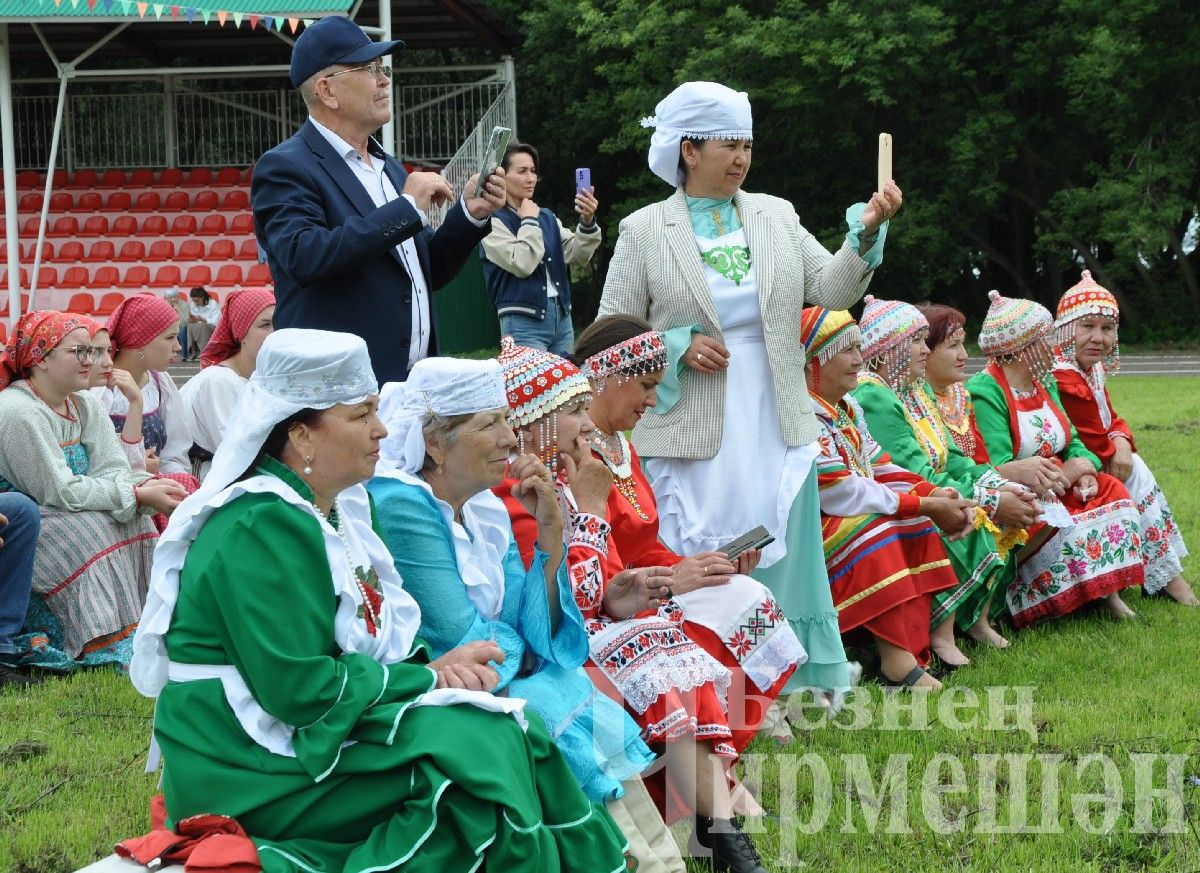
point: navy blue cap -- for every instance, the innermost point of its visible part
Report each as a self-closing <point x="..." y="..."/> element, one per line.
<point x="334" y="40"/>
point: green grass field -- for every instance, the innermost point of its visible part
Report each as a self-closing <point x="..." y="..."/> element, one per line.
<point x="1108" y="703"/>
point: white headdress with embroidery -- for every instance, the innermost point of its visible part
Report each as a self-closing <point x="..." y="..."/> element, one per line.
<point x="701" y="110"/>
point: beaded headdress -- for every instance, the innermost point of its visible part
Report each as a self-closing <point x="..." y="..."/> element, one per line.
<point x="637" y="356"/>
<point x="1086" y="297"/>
<point x="1013" y="329"/>
<point x="826" y="332"/>
<point x="888" y="326"/>
<point x="537" y="383"/>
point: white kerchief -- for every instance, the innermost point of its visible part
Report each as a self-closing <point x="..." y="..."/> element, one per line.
<point x="446" y="386"/>
<point x="297" y="369"/>
<point x="703" y="110"/>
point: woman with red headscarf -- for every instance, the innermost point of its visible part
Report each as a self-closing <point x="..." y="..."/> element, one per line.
<point x="210" y="397"/>
<point x="144" y="330"/>
<point x="105" y="375"/>
<point x="56" y="445"/>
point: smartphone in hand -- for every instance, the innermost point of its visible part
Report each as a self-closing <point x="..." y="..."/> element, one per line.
<point x="492" y="157"/>
<point x="758" y="538"/>
<point x="583" y="179"/>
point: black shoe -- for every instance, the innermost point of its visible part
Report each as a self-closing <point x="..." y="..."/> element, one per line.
<point x="9" y="676"/>
<point x="732" y="848"/>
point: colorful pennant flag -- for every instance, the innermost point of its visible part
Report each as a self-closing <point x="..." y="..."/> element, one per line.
<point x="158" y="10"/>
<point x="268" y="22"/>
<point x="221" y="16"/>
<point x="293" y="23"/>
<point x="142" y="7"/>
<point x="237" y="18"/>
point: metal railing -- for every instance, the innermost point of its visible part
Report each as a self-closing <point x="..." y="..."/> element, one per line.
<point x="197" y="122"/>
<point x="232" y="128"/>
<point x="465" y="161"/>
<point x="433" y="120"/>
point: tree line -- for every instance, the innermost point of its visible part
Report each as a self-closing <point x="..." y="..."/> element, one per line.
<point x="1032" y="140"/>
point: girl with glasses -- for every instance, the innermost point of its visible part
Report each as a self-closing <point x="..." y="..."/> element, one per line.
<point x="57" y="446"/>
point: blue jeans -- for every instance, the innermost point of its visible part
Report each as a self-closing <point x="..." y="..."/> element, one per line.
<point x="20" y="537"/>
<point x="551" y="334"/>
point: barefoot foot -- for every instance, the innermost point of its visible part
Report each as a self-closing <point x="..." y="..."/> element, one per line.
<point x="982" y="632"/>
<point x="949" y="653"/>
<point x="1179" y="591"/>
<point x="1117" y="608"/>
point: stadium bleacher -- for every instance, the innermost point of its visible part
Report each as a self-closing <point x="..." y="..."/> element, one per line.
<point x="114" y="233"/>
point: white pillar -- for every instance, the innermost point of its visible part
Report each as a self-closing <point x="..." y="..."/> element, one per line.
<point x="9" y="160"/>
<point x="510" y="75"/>
<point x="49" y="189"/>
<point x="389" y="129"/>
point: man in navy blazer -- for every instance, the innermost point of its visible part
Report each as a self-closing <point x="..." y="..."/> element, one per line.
<point x="343" y="225"/>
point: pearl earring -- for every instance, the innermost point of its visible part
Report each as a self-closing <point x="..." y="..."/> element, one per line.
<point x="308" y="466"/>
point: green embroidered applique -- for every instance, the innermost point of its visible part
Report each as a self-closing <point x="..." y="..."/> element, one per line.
<point x="732" y="262"/>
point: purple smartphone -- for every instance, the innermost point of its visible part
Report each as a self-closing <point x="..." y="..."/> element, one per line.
<point x="583" y="179"/>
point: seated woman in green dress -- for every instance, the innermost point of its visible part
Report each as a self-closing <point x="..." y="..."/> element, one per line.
<point x="293" y="692"/>
<point x="902" y="415"/>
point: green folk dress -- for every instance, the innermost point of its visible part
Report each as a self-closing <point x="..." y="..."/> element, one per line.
<point x="378" y="781"/>
<point x="913" y="434"/>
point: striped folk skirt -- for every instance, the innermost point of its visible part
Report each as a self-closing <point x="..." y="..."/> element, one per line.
<point x="92" y="572"/>
<point x="883" y="572"/>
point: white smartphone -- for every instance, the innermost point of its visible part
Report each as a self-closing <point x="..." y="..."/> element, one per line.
<point x="493" y="156"/>
<point x="885" y="160"/>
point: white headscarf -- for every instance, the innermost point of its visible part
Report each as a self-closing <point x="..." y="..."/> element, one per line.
<point x="297" y="369"/>
<point x="446" y="386"/>
<point x="702" y="110"/>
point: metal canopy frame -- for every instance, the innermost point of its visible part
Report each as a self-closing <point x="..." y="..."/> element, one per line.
<point x="69" y="70"/>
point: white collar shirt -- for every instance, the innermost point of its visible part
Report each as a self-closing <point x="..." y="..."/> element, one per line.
<point x="381" y="190"/>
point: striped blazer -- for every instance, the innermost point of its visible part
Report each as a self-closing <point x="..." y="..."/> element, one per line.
<point x="656" y="273"/>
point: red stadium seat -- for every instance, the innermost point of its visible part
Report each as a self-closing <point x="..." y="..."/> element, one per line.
<point x="104" y="277"/>
<point x="141" y="178"/>
<point x="135" y="277"/>
<point x="199" y="177"/>
<point x="61" y="202"/>
<point x="132" y="251"/>
<point x="177" y="201"/>
<point x="154" y="225"/>
<point x="97" y="225"/>
<point x="108" y="302"/>
<point x="229" y="176"/>
<point x="205" y="201"/>
<point x="221" y="250"/>
<point x="31" y="202"/>
<point x="84" y="179"/>
<point x="68" y="253"/>
<point x="29" y="179"/>
<point x="191" y="250"/>
<point x="242" y="225"/>
<point x="76" y="277"/>
<point x="162" y="250"/>
<point x="89" y="201"/>
<point x="212" y="225"/>
<point x="61" y="177"/>
<point x="101" y="252"/>
<point x="30" y="227"/>
<point x="148" y="201"/>
<point x="260" y="274"/>
<point x="80" y="303"/>
<point x="248" y="176"/>
<point x="47" y="277"/>
<point x="236" y="201"/>
<point x="27" y="253"/>
<point x="4" y="296"/>
<point x="3" y="332"/>
<point x="183" y="225"/>
<point x="111" y="179"/>
<point x="118" y="201"/>
<point x="166" y="277"/>
<point x="68" y="225"/>
<point x="248" y="250"/>
<point x="198" y="275"/>
<point x="228" y="275"/>
<point x="171" y="177"/>
<point x="124" y="225"/>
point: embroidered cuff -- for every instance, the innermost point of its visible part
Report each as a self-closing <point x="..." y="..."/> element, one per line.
<point x="856" y="235"/>
<point x="590" y="531"/>
<point x="987" y="498"/>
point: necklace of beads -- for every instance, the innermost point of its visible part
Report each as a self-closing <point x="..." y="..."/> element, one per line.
<point x="613" y="450"/>
<point x="930" y="437"/>
<point x="372" y="603"/>
<point x="953" y="408"/>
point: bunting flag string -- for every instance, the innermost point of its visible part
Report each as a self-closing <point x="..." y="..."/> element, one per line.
<point x="192" y="12"/>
